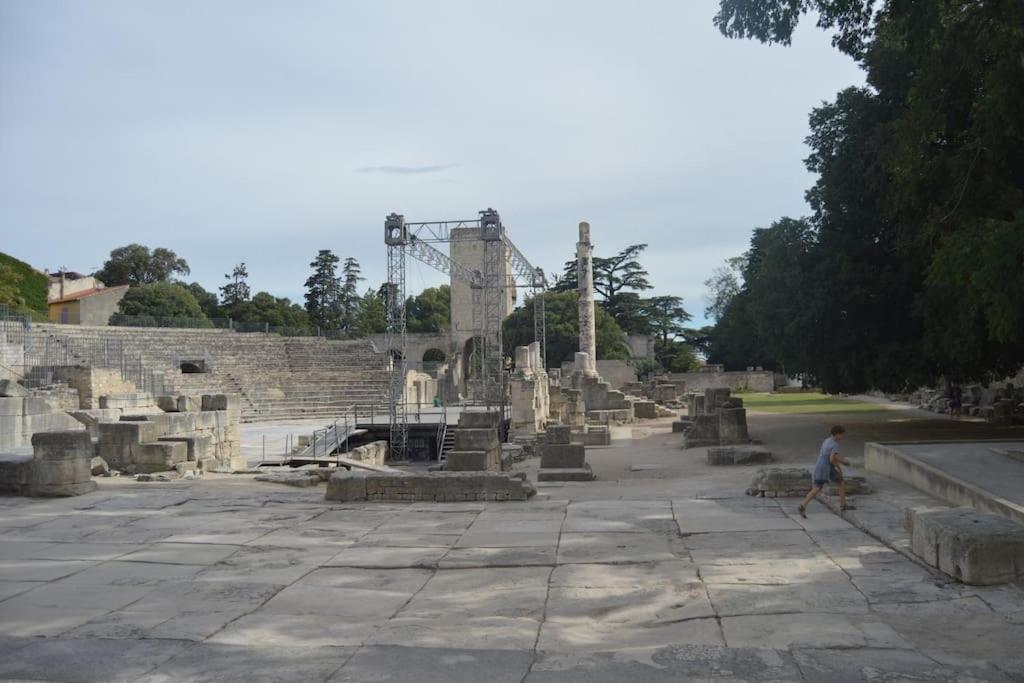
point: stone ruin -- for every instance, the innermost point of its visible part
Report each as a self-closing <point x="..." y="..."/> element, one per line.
<point x="795" y="482"/>
<point x="201" y="434"/>
<point x="439" y="487"/>
<point x="713" y="419"/>
<point x="738" y="455"/>
<point x="529" y="392"/>
<point x="1002" y="404"/>
<point x="561" y="460"/>
<point x="477" y="446"/>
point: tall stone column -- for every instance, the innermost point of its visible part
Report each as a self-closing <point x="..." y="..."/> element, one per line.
<point x="585" y="283"/>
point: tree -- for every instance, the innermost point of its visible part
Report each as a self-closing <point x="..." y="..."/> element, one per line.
<point x="918" y="243"/>
<point x="723" y="285"/>
<point x="666" y="318"/>
<point x="348" y="297"/>
<point x="617" y="280"/>
<point x="562" y="329"/>
<point x="236" y="291"/>
<point x="371" y="316"/>
<point x="163" y="300"/>
<point x="135" y="264"/>
<point x="266" y="310"/>
<point x="323" y="291"/>
<point x="430" y="310"/>
<point x="206" y="300"/>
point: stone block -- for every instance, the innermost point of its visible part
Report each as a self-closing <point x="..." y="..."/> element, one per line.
<point x="479" y="419"/>
<point x="158" y="456"/>
<point x="558" y="434"/>
<point x="562" y="455"/>
<point x="714" y="397"/>
<point x="190" y="404"/>
<point x="347" y="486"/>
<point x="168" y="404"/>
<point x="427" y="486"/>
<point x="780" y="482"/>
<point x="647" y="410"/>
<point x="198" y="446"/>
<point x="972" y="547"/>
<point x="98" y="467"/>
<point x="11" y="389"/>
<point x="679" y="426"/>
<point x="595" y="435"/>
<point x="483" y="439"/>
<point x="565" y="473"/>
<point x="732" y="426"/>
<point x="61" y="464"/>
<point x="469" y="461"/>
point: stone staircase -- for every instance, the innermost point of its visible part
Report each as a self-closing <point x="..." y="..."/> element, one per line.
<point x="277" y="377"/>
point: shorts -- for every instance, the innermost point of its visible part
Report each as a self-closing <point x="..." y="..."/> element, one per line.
<point x="835" y="475"/>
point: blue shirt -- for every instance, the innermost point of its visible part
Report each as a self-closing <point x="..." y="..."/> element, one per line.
<point x="823" y="468"/>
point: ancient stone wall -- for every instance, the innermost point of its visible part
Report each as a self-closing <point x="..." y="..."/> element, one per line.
<point x="92" y="383"/>
<point x="441" y="487"/>
<point x="747" y="380"/>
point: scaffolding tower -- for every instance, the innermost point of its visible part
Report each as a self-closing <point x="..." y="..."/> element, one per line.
<point x="487" y="287"/>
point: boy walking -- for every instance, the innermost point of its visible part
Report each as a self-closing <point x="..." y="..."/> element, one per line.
<point x="827" y="470"/>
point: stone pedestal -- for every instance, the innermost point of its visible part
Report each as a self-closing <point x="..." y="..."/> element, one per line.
<point x="61" y="465"/>
<point x="561" y="460"/>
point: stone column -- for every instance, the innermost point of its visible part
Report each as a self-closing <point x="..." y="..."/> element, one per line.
<point x="585" y="283"/>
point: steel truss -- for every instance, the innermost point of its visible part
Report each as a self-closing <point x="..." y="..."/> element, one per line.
<point x="487" y="287"/>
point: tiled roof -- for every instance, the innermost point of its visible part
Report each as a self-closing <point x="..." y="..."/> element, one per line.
<point x="87" y="293"/>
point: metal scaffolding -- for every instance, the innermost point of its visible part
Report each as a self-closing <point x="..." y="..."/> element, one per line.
<point x="487" y="286"/>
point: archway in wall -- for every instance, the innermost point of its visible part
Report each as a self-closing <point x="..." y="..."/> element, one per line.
<point x="470" y="360"/>
<point x="434" y="356"/>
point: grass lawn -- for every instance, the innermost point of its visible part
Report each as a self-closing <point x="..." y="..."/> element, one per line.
<point x="806" y="403"/>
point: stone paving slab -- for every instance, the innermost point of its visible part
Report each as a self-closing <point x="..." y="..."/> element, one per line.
<point x="613" y="547"/>
<point x="88" y="659"/>
<point x="678" y="662"/>
<point x="219" y="663"/>
<point x="396" y="664"/>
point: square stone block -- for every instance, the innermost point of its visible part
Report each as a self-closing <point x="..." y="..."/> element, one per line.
<point x="558" y="434"/>
<point x="558" y="455"/>
<point x="971" y="546"/>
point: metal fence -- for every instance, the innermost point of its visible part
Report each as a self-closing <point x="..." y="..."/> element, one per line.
<point x="43" y="356"/>
<point x="121" y="320"/>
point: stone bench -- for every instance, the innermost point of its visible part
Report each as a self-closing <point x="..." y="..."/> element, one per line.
<point x="60" y="465"/>
<point x="973" y="547"/>
<point x="441" y="487"/>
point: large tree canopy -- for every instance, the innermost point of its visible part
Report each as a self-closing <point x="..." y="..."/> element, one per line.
<point x="430" y="310"/>
<point x="135" y="264"/>
<point x="911" y="266"/>
<point x="163" y="302"/>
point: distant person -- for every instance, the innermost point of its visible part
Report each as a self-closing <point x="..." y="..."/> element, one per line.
<point x="827" y="470"/>
<point x="956" y="406"/>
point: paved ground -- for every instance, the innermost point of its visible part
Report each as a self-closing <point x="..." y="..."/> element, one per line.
<point x="660" y="572"/>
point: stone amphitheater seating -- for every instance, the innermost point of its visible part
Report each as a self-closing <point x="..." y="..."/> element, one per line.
<point x="277" y="377"/>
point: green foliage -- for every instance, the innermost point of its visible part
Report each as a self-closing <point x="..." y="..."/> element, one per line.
<point x="371" y="314"/>
<point x="910" y="267"/>
<point x="206" y="300"/>
<point x="162" y="300"/>
<point x="236" y="291"/>
<point x="430" y="310"/>
<point x="723" y="286"/>
<point x="645" y="367"/>
<point x="135" y="264"/>
<point x="617" y="280"/>
<point x="267" y="310"/>
<point x="348" y="296"/>
<point x="323" y="292"/>
<point x="22" y="287"/>
<point x="562" y="329"/>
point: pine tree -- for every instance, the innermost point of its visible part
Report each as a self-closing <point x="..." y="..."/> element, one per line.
<point x="323" y="291"/>
<point x="236" y="291"/>
<point x="348" y="300"/>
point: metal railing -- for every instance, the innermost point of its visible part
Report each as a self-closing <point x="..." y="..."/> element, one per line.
<point x="43" y="356"/>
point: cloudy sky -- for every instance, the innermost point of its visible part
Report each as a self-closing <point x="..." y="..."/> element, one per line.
<point x="263" y="131"/>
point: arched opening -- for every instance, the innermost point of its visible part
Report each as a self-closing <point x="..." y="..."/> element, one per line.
<point x="434" y="356"/>
<point x="192" y="367"/>
<point x="470" y="360"/>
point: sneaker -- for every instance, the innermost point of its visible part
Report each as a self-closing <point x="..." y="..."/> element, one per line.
<point x="803" y="511"/>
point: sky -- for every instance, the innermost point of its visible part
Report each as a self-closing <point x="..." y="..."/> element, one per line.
<point x="263" y="131"/>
